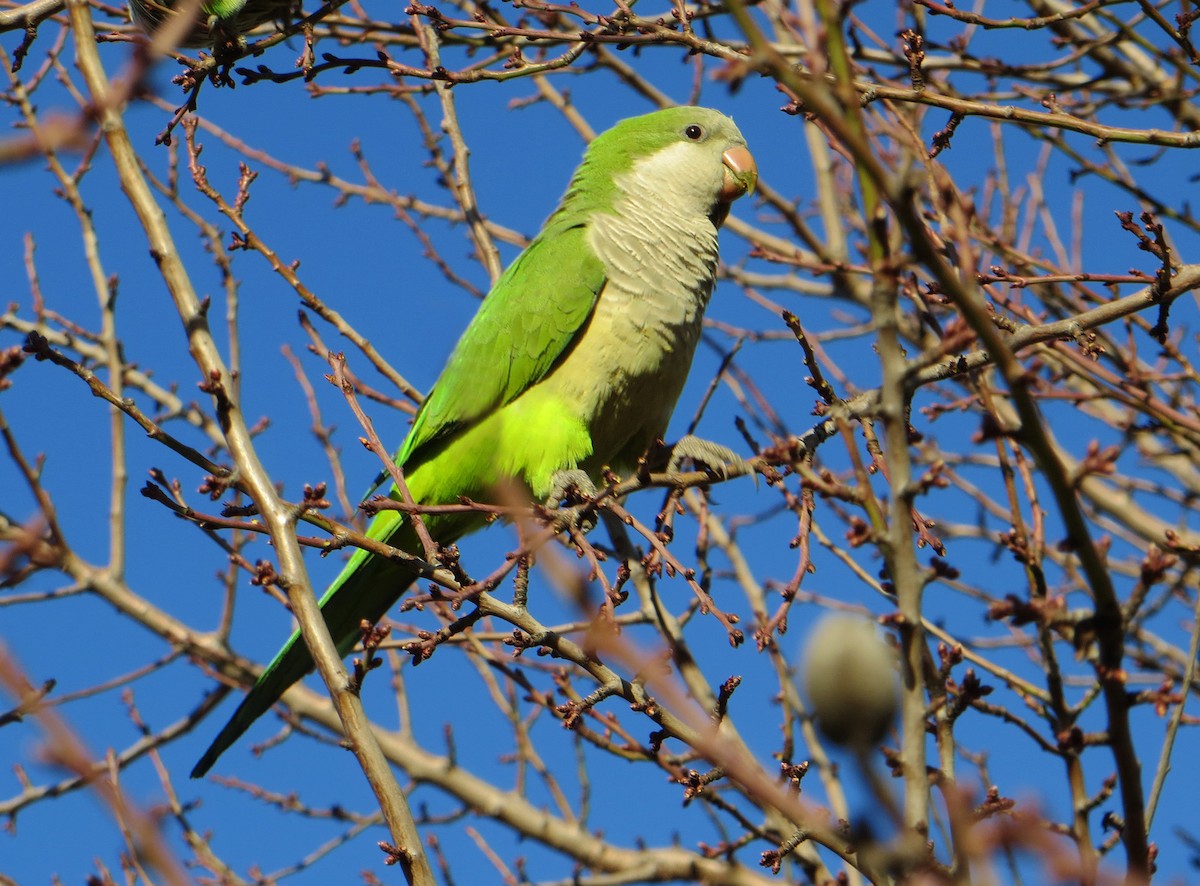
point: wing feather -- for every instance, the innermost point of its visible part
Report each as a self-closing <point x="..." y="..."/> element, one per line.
<point x="525" y="324"/>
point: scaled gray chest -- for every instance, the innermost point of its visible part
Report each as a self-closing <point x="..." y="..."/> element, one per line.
<point x="627" y="370"/>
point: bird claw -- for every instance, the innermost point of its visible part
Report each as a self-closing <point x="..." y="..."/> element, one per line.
<point x="713" y="457"/>
<point x="572" y="486"/>
<point x="563" y="482"/>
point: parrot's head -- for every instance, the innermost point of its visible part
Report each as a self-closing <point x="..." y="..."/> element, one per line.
<point x="693" y="159"/>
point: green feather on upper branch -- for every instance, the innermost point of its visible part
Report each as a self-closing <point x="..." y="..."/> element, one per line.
<point x="215" y="21"/>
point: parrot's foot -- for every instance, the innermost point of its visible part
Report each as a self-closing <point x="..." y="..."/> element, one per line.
<point x="229" y="44"/>
<point x="572" y="486"/>
<point x="717" y="459"/>
<point x="564" y="482"/>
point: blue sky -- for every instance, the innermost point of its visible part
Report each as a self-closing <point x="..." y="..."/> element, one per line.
<point x="366" y="264"/>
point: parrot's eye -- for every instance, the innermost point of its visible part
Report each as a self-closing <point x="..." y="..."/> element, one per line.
<point x="694" y="132"/>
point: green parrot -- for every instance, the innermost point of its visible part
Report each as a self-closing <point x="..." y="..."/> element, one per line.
<point x="216" y="20"/>
<point x="573" y="362"/>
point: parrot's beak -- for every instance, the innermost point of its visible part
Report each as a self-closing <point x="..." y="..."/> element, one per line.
<point x="741" y="173"/>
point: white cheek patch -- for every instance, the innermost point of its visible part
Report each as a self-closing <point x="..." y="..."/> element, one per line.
<point x="684" y="174"/>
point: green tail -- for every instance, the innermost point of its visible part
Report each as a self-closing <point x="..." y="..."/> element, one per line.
<point x="366" y="588"/>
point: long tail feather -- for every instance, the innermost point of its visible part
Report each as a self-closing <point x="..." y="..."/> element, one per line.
<point x="366" y="588"/>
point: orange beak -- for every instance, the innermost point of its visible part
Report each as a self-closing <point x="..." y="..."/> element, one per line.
<point x="741" y="173"/>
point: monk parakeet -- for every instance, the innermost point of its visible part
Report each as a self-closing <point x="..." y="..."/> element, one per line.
<point x="216" y="20"/>
<point x="573" y="362"/>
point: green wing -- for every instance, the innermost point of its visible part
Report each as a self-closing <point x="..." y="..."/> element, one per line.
<point x="527" y="322"/>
